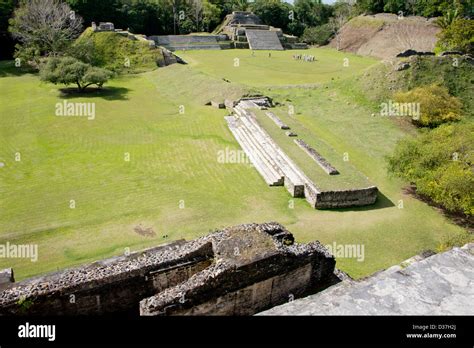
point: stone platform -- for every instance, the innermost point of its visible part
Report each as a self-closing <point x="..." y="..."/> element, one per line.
<point x="278" y="169"/>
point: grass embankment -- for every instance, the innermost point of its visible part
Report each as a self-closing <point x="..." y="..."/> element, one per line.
<point x="120" y="53"/>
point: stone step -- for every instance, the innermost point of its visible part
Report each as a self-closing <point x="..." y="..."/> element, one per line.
<point x="263" y="40"/>
<point x="294" y="179"/>
<point x="269" y="174"/>
<point x="264" y="150"/>
<point x="276" y="120"/>
<point x="284" y="162"/>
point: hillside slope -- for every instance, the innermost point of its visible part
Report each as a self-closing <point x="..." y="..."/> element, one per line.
<point x="385" y="35"/>
<point x="381" y="81"/>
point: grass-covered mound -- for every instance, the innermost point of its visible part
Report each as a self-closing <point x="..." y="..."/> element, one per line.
<point x="456" y="73"/>
<point x="118" y="53"/>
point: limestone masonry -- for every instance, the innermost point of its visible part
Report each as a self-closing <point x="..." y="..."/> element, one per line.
<point x="239" y="270"/>
<point x="277" y="169"/>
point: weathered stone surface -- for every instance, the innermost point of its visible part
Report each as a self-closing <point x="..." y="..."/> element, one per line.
<point x="320" y="160"/>
<point x="131" y="278"/>
<point x="277" y="120"/>
<point x="6" y="278"/>
<point x="278" y="169"/>
<point x="263" y="40"/>
<point x="253" y="269"/>
<point x="187" y="42"/>
<point x="214" y="272"/>
<point x="442" y="284"/>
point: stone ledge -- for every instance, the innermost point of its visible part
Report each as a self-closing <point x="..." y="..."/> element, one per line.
<point x="320" y="160"/>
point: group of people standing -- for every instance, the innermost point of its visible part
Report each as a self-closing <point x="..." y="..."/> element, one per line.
<point x="304" y="57"/>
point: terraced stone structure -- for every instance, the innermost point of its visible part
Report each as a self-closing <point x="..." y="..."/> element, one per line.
<point x="263" y="40"/>
<point x="190" y="42"/>
<point x="239" y="270"/>
<point x="246" y="30"/>
<point x="278" y="169"/>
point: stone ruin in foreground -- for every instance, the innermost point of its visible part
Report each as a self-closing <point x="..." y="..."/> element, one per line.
<point x="241" y="270"/>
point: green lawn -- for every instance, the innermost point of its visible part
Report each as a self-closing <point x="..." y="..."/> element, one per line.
<point x="239" y="65"/>
<point x="173" y="160"/>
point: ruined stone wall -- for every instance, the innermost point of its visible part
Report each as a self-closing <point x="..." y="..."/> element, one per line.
<point x="114" y="285"/>
<point x="316" y="156"/>
<point x="239" y="270"/>
<point x="247" y="289"/>
<point x="346" y="198"/>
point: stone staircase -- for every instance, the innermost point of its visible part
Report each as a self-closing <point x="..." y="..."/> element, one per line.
<point x="263" y="40"/>
<point x="271" y="162"/>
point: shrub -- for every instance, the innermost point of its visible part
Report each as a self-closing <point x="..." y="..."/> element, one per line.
<point x="319" y="35"/>
<point x="437" y="106"/>
<point x="69" y="70"/>
<point x="458" y="36"/>
<point x="439" y="162"/>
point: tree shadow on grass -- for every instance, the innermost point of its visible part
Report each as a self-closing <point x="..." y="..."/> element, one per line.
<point x="107" y="93"/>
<point x="382" y="202"/>
<point x="8" y="69"/>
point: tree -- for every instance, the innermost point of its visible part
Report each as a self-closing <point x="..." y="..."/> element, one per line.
<point x="45" y="27"/>
<point x="436" y="105"/>
<point x="396" y="6"/>
<point x="272" y="12"/>
<point x="210" y="15"/>
<point x="318" y="35"/>
<point x="458" y="36"/>
<point x="69" y="70"/>
<point x="235" y="5"/>
<point x="370" y="6"/>
<point x="447" y="19"/>
<point x="312" y="13"/>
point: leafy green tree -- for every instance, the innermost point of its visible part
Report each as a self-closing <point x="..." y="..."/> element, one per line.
<point x="437" y="106"/>
<point x="235" y="5"/>
<point x="318" y="35"/>
<point x="69" y="70"/>
<point x="458" y="36"/>
<point x="447" y="19"/>
<point x="439" y="162"/>
<point x="312" y="13"/>
<point x="211" y="15"/>
<point x="272" y="12"/>
<point x="370" y="6"/>
<point x="396" y="6"/>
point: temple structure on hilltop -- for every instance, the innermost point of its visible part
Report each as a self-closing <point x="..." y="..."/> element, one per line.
<point x="238" y="30"/>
